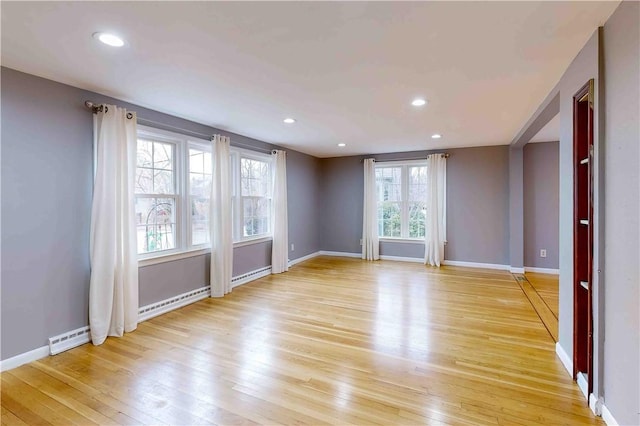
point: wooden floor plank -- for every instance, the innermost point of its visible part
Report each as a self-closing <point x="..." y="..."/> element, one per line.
<point x="546" y="285"/>
<point x="332" y="341"/>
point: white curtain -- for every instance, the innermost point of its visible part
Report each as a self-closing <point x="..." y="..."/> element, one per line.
<point x="113" y="289"/>
<point x="435" y="223"/>
<point x="279" y="222"/>
<point x="370" y="245"/>
<point x="220" y="218"/>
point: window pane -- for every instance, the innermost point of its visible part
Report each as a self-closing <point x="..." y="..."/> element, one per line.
<point x="196" y="161"/>
<point x="389" y="183"/>
<point x="199" y="232"/>
<point x="199" y="220"/>
<point x="418" y="183"/>
<point x="256" y="216"/>
<point x="154" y="171"/>
<point x="144" y="155"/>
<point x="417" y="215"/>
<point x="255" y="177"/>
<point x="389" y="219"/>
<point x="162" y="156"/>
<point x="156" y="224"/>
<point x="163" y="182"/>
<point x="200" y="191"/>
<point x="255" y="189"/>
<point x="144" y="181"/>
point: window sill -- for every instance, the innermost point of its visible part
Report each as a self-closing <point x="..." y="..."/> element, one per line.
<point x="171" y="257"/>
<point x="402" y="240"/>
<point x="248" y="242"/>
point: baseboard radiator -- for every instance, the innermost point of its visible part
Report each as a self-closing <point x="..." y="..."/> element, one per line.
<point x="82" y="335"/>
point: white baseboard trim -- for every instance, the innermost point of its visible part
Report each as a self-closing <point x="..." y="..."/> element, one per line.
<point x="339" y="254"/>
<point x="24" y="358"/>
<point x="542" y="270"/>
<point x="583" y="385"/>
<point x="515" y="270"/>
<point x="596" y="404"/>
<point x="80" y="336"/>
<point x="172" y="303"/>
<point x="402" y="259"/>
<point x="608" y="417"/>
<point x="476" y="265"/>
<point x="250" y="276"/>
<point x="303" y="258"/>
<point x="564" y="358"/>
<point x="70" y="339"/>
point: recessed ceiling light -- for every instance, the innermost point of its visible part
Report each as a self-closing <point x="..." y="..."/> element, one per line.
<point x="418" y="102"/>
<point x="289" y="120"/>
<point x="436" y="136"/>
<point x="109" y="39"/>
<point x="342" y="145"/>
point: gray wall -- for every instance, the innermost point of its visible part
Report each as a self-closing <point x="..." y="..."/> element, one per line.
<point x="46" y="170"/>
<point x="164" y="280"/>
<point x="304" y="179"/>
<point x="541" y="199"/>
<point x="341" y="195"/>
<point x="46" y="209"/>
<point x="477" y="205"/>
<point x="583" y="68"/>
<point x="622" y="231"/>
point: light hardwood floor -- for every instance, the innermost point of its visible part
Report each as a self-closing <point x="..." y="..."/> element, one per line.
<point x="333" y="341"/>
<point x="546" y="286"/>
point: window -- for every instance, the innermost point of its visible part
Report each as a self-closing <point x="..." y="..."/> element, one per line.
<point x="402" y="193"/>
<point x="172" y="186"/>
<point x="199" y="193"/>
<point x="252" y="195"/>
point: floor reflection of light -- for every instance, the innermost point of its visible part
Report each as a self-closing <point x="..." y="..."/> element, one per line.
<point x="256" y="351"/>
<point x="401" y="317"/>
<point x="343" y="394"/>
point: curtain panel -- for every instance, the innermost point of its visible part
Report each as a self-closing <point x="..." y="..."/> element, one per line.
<point x="279" y="221"/>
<point x="370" y="243"/>
<point x="113" y="288"/>
<point x="220" y="217"/>
<point x="435" y="221"/>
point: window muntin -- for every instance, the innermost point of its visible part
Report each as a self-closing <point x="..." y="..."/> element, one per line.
<point x="417" y="191"/>
<point x="401" y="190"/>
<point x="200" y="170"/>
<point x="172" y="189"/>
<point x="252" y="213"/>
<point x="155" y="196"/>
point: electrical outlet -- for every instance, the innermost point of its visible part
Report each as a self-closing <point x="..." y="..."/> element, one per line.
<point x="543" y="253"/>
<point x="292" y="247"/>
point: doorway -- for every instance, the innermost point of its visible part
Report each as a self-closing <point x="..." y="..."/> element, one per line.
<point x="583" y="236"/>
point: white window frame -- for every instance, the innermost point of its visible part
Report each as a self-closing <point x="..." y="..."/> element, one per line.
<point x="201" y="145"/>
<point x="182" y="196"/>
<point x="238" y="235"/>
<point x="404" y="202"/>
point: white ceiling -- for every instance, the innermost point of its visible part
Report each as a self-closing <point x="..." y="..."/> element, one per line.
<point x="549" y="133"/>
<point x="346" y="71"/>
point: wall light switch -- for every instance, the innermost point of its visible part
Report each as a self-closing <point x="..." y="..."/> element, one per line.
<point x="543" y="253"/>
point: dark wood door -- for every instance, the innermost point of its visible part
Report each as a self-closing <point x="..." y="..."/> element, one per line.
<point x="583" y="233"/>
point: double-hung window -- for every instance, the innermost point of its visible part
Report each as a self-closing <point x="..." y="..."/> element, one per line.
<point x="402" y="193"/>
<point x="172" y="187"/>
<point x="252" y="195"/>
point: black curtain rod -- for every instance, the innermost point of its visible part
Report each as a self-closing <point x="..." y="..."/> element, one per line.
<point x="98" y="107"/>
<point x="444" y="154"/>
